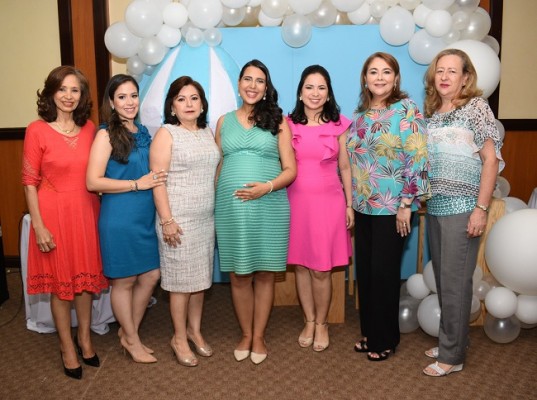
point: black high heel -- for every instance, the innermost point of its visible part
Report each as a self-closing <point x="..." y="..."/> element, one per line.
<point x="75" y="373"/>
<point x="91" y="361"/>
<point x="383" y="355"/>
<point x="363" y="346"/>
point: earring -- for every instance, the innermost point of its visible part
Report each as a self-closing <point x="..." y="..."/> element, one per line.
<point x="201" y="110"/>
<point x="173" y="114"/>
<point x="300" y="98"/>
<point x="365" y="85"/>
<point x="327" y="99"/>
<point x="113" y="108"/>
<point x="265" y="96"/>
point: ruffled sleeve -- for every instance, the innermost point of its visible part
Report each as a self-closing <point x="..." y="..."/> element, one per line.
<point x="413" y="133"/>
<point x="329" y="136"/>
<point x="32" y="155"/>
<point x="142" y="137"/>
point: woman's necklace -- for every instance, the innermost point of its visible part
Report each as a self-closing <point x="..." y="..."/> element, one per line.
<point x="66" y="131"/>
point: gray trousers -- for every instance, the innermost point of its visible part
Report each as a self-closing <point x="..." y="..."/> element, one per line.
<point x="454" y="258"/>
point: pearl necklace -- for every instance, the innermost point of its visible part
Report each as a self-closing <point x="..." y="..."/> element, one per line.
<point x="66" y="131"/>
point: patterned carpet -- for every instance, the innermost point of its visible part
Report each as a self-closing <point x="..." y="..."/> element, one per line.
<point x="30" y="366"/>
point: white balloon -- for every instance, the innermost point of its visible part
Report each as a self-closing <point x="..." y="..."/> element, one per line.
<point x="481" y="288"/>
<point x="175" y="15"/>
<point x="501" y="129"/>
<point x="492" y="43"/>
<point x="501" y="330"/>
<point x="478" y="274"/>
<point x="233" y="16"/>
<point x="452" y="36"/>
<point x="478" y="26"/>
<point x="420" y="15"/>
<point x="501" y="302"/>
<point x="325" y="15"/>
<point x="423" y="47"/>
<point x="460" y="20"/>
<point x="304" y="7"/>
<point x="526" y="310"/>
<point x="254" y="3"/>
<point x="120" y="41"/>
<point x="513" y="204"/>
<point x="468" y="5"/>
<point x="491" y="280"/>
<point x="377" y="8"/>
<point x="438" y="4"/>
<point x="476" y="304"/>
<point x="251" y="16"/>
<point x="511" y="251"/>
<point x="205" y="14"/>
<point x="143" y="19"/>
<point x="274" y="8"/>
<point x="416" y="286"/>
<point x="360" y="16"/>
<point x="409" y="4"/>
<point x="347" y="5"/>
<point x="265" y="20"/>
<point x="429" y="314"/>
<point x="135" y="66"/>
<point x="396" y="26"/>
<point x="234" y="3"/>
<point x="296" y="30"/>
<point x="438" y="23"/>
<point x="503" y="186"/>
<point x="160" y="4"/>
<point x="149" y="69"/>
<point x="486" y="63"/>
<point x="213" y="36"/>
<point x="428" y="276"/>
<point x="170" y="37"/>
<point x="194" y="37"/>
<point x="152" y="51"/>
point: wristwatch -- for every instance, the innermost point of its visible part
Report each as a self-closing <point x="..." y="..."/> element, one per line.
<point x="404" y="205"/>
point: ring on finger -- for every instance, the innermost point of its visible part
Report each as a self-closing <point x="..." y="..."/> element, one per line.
<point x="155" y="177"/>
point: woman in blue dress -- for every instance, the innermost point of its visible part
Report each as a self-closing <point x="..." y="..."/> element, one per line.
<point x="119" y="169"/>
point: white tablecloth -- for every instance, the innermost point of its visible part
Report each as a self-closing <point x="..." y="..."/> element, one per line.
<point x="38" y="314"/>
<point x="533" y="199"/>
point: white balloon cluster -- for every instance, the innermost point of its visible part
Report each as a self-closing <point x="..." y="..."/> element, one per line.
<point x="151" y="27"/>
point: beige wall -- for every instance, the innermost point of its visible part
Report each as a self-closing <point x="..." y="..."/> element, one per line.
<point x="518" y="88"/>
<point x="30" y="49"/>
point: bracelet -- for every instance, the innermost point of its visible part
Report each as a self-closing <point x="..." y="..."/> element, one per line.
<point x="271" y="187"/>
<point x="482" y="207"/>
<point x="349" y="206"/>
<point x="133" y="185"/>
<point x="168" y="222"/>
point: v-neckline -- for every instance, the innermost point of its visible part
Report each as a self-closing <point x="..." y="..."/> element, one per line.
<point x="240" y="123"/>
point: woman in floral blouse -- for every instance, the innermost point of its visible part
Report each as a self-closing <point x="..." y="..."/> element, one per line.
<point x="387" y="146"/>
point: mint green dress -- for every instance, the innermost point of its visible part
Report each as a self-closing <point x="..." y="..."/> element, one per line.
<point x="251" y="235"/>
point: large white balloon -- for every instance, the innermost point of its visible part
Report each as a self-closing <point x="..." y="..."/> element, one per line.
<point x="526" y="310"/>
<point x="408" y="314"/>
<point x="265" y="20"/>
<point x="175" y="15"/>
<point x="420" y="15"/>
<point x="478" y="26"/>
<point x="396" y="26"/>
<point x="409" y="4"/>
<point x="233" y="16"/>
<point x="428" y="276"/>
<point x="347" y="5"/>
<point x="416" y="286"/>
<point x="481" y="288"/>
<point x="120" y="41"/>
<point x="501" y="330"/>
<point x="274" y="8"/>
<point x="296" y="30"/>
<point x="135" y="66"/>
<point x="143" y="19"/>
<point x="486" y="63"/>
<point x="460" y="19"/>
<point x="194" y="37"/>
<point x="361" y="15"/>
<point x="377" y="8"/>
<point x="152" y="51"/>
<point x="205" y="14"/>
<point x="325" y="15"/>
<point x="513" y="204"/>
<point x="511" y="251"/>
<point x="492" y="43"/>
<point x="212" y="36"/>
<point x="438" y="4"/>
<point x="501" y="302"/>
<point x="468" y="5"/>
<point x="304" y="7"/>
<point x="170" y="37"/>
<point x="234" y="3"/>
<point x="423" y="47"/>
<point x="438" y="23"/>
<point x="429" y="313"/>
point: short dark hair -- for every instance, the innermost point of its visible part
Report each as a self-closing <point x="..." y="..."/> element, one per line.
<point x="175" y="87"/>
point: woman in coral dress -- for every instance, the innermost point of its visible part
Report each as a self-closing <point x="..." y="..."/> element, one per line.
<point x="63" y="253"/>
<point x="321" y="202"/>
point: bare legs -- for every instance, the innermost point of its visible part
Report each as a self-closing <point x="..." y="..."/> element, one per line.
<point x="130" y="297"/>
<point x="61" y="312"/>
<point x="314" y="290"/>
<point x="253" y="296"/>
<point x="186" y="310"/>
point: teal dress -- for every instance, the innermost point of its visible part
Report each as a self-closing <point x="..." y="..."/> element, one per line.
<point x="127" y="220"/>
<point x="251" y="235"/>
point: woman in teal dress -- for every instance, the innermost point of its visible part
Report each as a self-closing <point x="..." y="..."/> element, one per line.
<point x="252" y="210"/>
<point x="119" y="168"/>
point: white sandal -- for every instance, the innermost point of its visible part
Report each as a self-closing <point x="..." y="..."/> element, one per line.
<point x="440" y="371"/>
<point x="432" y="352"/>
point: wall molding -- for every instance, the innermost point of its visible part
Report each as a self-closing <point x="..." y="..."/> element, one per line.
<point x="12" y="133"/>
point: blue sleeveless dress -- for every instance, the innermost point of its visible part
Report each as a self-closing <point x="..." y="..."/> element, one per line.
<point x="129" y="243"/>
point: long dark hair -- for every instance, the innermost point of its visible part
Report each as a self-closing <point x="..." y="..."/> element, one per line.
<point x="266" y="114"/>
<point x="330" y="110"/>
<point x="46" y="107"/>
<point x="175" y="87"/>
<point x="121" y="139"/>
<point x="366" y="96"/>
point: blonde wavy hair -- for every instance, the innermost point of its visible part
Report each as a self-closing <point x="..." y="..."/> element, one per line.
<point x="468" y="91"/>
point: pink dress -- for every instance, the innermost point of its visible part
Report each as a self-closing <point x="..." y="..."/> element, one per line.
<point x="319" y="238"/>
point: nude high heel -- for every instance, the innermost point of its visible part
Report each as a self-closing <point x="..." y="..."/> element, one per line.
<point x="304" y="341"/>
<point x="321" y="346"/>
<point x="185" y="361"/>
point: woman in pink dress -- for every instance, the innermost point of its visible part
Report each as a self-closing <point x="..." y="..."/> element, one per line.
<point x="63" y="253"/>
<point x="321" y="201"/>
